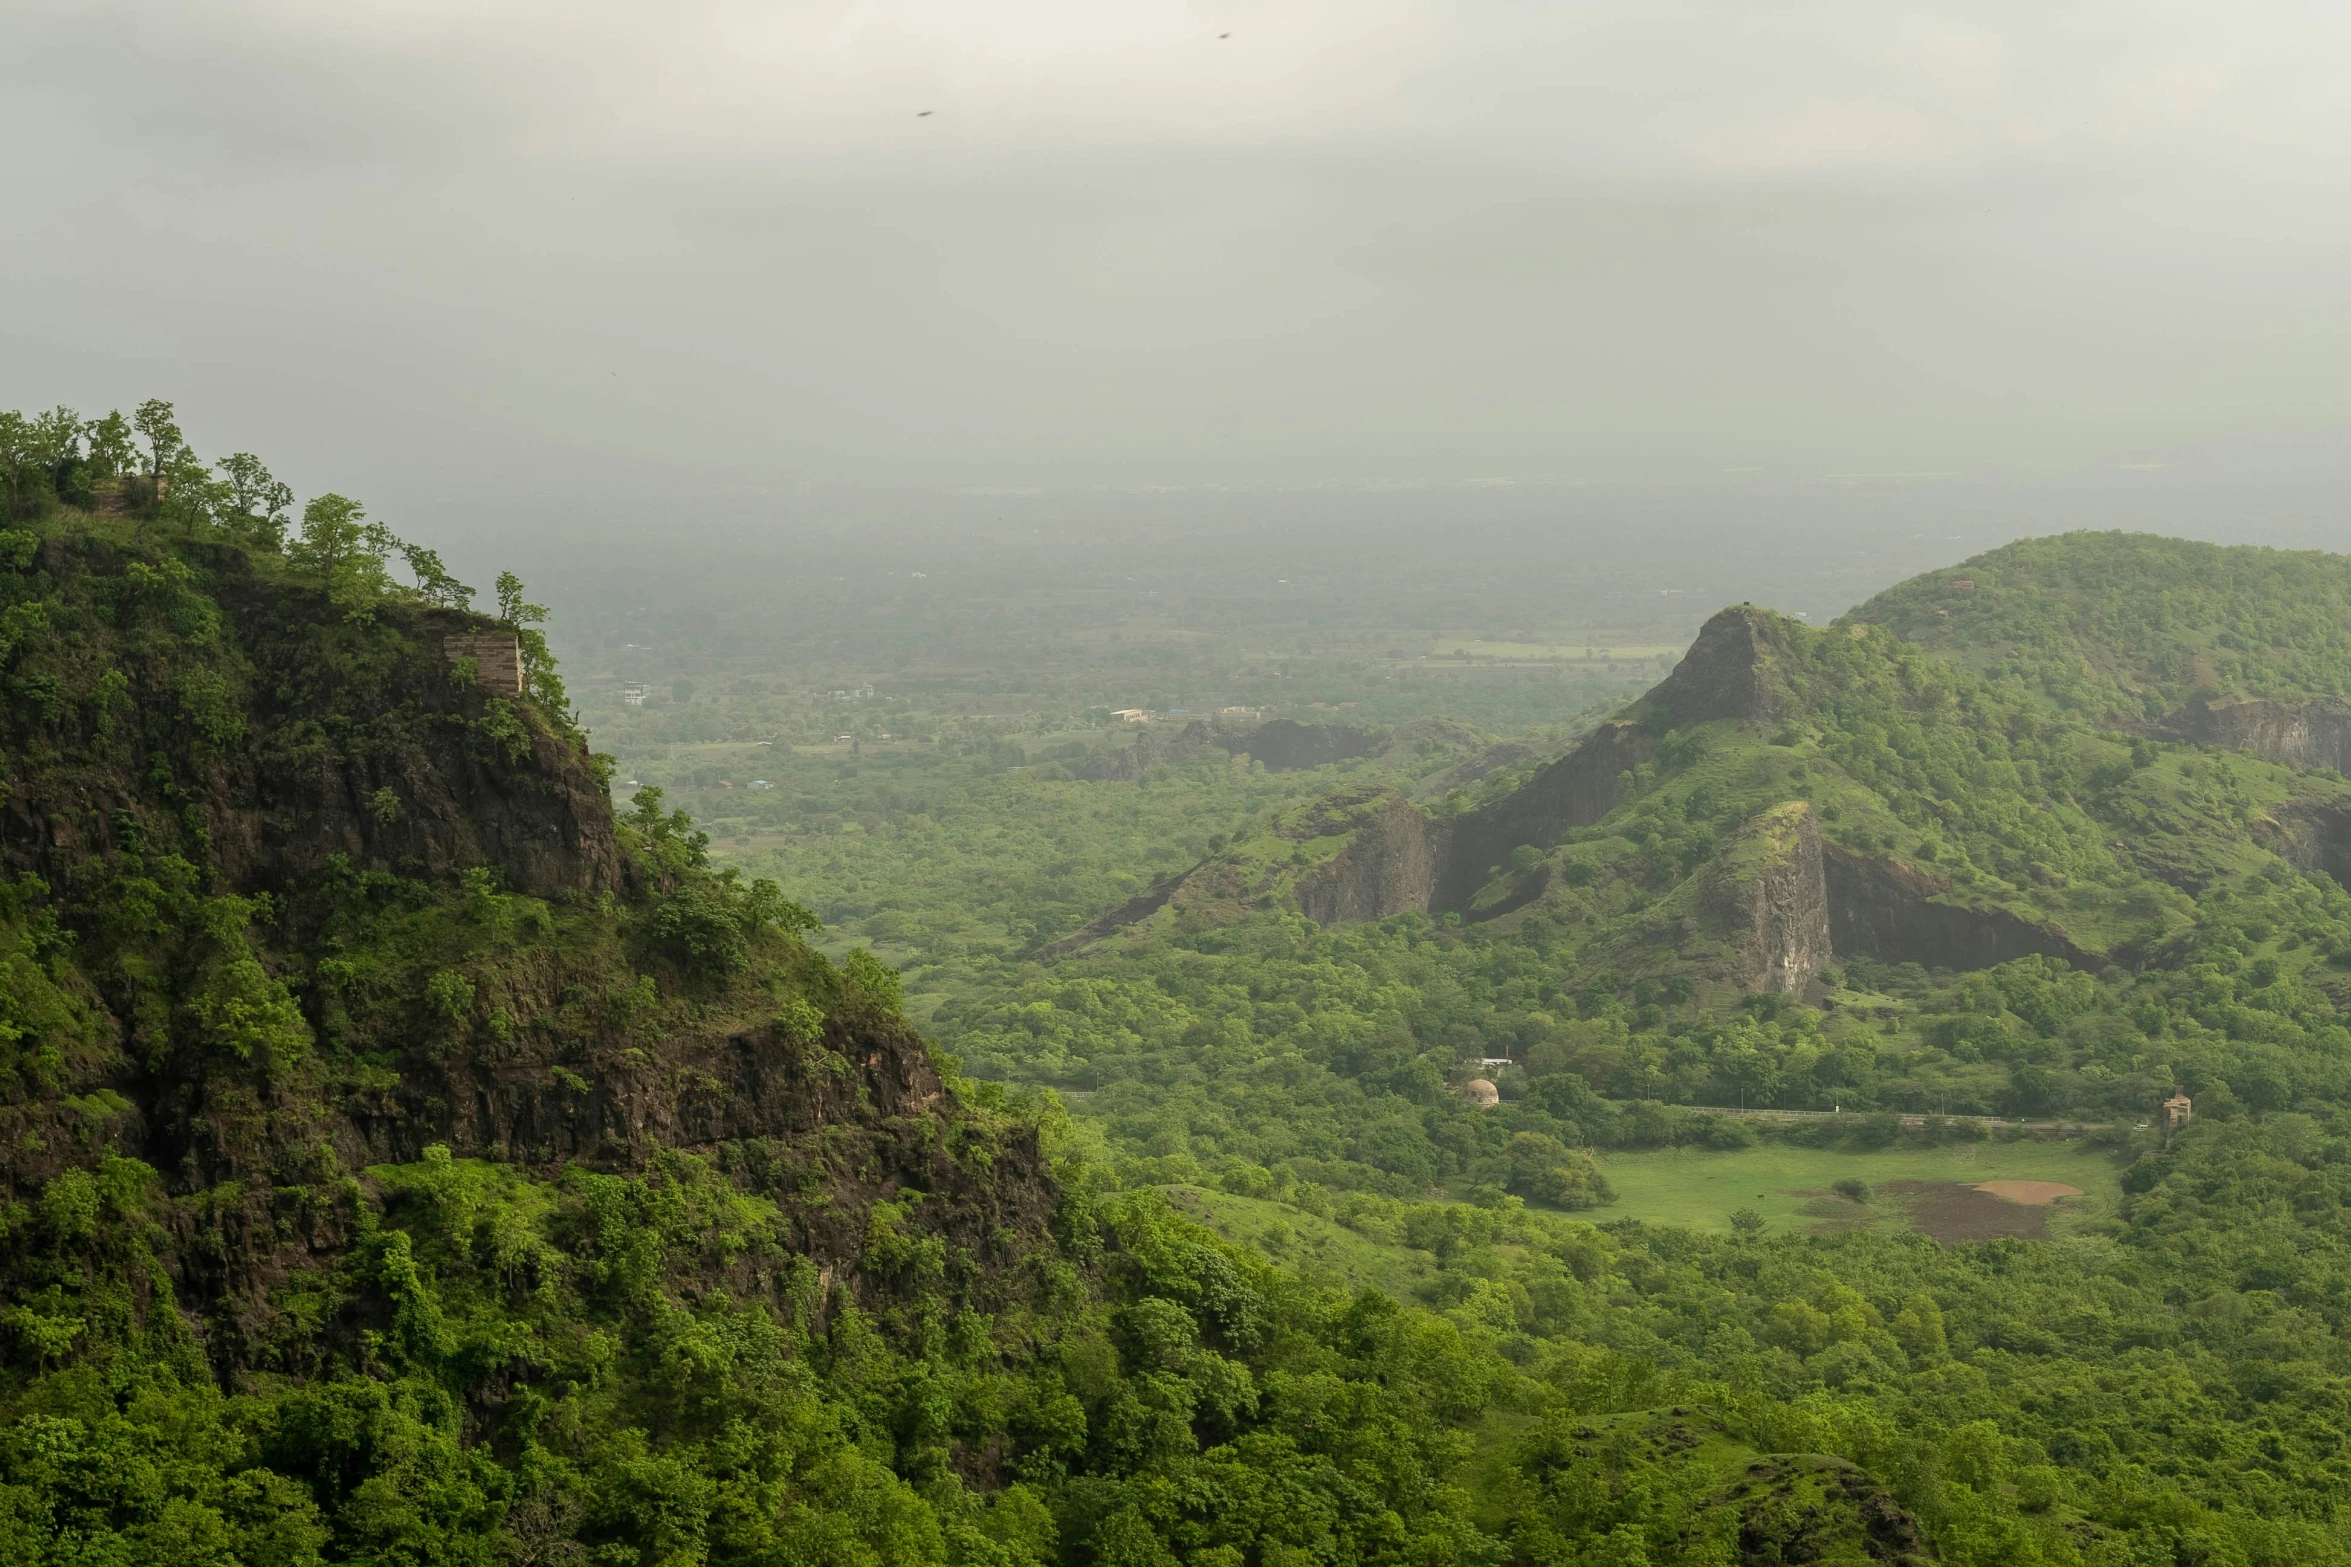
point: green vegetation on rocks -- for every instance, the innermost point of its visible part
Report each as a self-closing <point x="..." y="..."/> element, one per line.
<point x="410" y="1159"/>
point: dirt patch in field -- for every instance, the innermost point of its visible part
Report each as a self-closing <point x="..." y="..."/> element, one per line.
<point x="1951" y="1212"/>
<point x="2036" y="1194"/>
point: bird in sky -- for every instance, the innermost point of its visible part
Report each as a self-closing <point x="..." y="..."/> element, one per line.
<point x="1224" y="35"/>
<point x="923" y="114"/>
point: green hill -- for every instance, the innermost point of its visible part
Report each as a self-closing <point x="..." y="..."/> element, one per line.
<point x="1791" y="798"/>
<point x="2132" y="628"/>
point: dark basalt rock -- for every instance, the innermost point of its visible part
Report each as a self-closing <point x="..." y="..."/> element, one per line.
<point x="1285" y="745"/>
<point x="2299" y="734"/>
<point x="1887" y="910"/>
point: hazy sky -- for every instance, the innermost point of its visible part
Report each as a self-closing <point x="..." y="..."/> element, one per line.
<point x="588" y="248"/>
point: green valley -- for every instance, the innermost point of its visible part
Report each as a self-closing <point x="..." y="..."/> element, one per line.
<point x="1307" y="1137"/>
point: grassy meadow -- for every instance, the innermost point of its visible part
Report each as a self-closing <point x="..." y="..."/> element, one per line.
<point x="1699" y="1189"/>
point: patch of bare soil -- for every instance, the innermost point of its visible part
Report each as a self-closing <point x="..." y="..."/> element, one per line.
<point x="1951" y="1212"/>
<point x="2038" y="1194"/>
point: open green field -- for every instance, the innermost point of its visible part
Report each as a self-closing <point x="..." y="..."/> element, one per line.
<point x="1699" y="1190"/>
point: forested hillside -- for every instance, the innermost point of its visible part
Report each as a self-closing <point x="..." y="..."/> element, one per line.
<point x="410" y="1158"/>
<point x="2130" y="627"/>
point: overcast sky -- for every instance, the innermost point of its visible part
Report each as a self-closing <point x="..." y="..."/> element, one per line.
<point x="583" y="248"/>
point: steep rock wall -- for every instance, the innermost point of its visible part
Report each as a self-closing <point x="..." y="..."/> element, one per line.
<point x="1771" y="892"/>
<point x="1575" y="791"/>
<point x="1727" y="673"/>
<point x="1285" y="745"/>
<point x="1392" y="866"/>
<point x="1886" y="910"/>
<point x="303" y="738"/>
<point x="2313" y="836"/>
<point x="2299" y="734"/>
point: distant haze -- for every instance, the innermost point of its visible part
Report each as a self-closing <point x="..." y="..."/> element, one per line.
<point x="494" y="265"/>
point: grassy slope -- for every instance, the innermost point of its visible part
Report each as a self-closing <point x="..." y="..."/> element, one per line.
<point x="1315" y="1248"/>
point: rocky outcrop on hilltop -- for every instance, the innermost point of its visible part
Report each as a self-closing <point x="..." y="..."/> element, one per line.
<point x="1441" y="864"/>
<point x="295" y="738"/>
<point x="1773" y="906"/>
<point x="2312" y="835"/>
<point x="288" y="898"/>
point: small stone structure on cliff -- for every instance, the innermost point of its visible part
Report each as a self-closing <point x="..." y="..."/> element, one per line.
<point x="1481" y="1094"/>
<point x="2178" y="1110"/>
<point x="497" y="660"/>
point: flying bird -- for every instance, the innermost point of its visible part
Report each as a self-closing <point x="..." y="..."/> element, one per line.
<point x="923" y="114"/>
<point x="1224" y="35"/>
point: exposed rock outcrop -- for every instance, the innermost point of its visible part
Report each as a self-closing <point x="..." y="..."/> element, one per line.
<point x="2313" y="836"/>
<point x="1575" y="791"/>
<point x="1285" y="745"/>
<point x="1887" y="910"/>
<point x="2299" y="734"/>
<point x="1391" y="866"/>
<point x="1151" y="748"/>
<point x="1134" y="911"/>
<point x="1772" y="893"/>
<point x="1728" y="672"/>
<point x="1776" y="906"/>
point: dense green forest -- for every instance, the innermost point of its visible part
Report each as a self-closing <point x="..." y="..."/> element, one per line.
<point x="413" y="1158"/>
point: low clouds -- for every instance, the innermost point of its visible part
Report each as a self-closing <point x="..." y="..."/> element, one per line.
<point x="724" y="246"/>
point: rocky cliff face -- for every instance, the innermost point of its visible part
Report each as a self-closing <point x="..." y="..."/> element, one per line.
<point x="250" y="959"/>
<point x="1888" y="910"/>
<point x="1775" y="907"/>
<point x="1440" y="865"/>
<point x="298" y="738"/>
<point x="2299" y="734"/>
<point x="1771" y="892"/>
<point x="2313" y="836"/>
<point x="1285" y="745"/>
<point x="1391" y="867"/>
<point x="1729" y="672"/>
<point x="1575" y="791"/>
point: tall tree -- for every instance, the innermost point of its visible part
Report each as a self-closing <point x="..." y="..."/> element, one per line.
<point x="434" y="584"/>
<point x="346" y="551"/>
<point x="156" y="422"/>
<point x="258" y="501"/>
<point x="112" y="449"/>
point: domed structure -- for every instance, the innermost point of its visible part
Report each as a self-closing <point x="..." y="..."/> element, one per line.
<point x="1478" y="1091"/>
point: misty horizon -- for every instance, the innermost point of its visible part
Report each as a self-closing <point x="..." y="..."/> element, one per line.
<point x="491" y="274"/>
